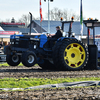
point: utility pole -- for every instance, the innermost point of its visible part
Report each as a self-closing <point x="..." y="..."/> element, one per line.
<point x="48" y="18"/>
<point x="49" y="15"/>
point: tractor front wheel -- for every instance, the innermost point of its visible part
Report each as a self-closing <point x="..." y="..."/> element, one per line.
<point x="13" y="60"/>
<point x="29" y="59"/>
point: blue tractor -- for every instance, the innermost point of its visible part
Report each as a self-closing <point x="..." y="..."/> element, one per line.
<point x="67" y="53"/>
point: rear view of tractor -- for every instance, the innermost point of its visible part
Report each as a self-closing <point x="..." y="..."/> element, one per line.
<point x="67" y="53"/>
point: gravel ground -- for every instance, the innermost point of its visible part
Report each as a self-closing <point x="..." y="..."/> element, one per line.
<point x="90" y="93"/>
<point x="37" y="72"/>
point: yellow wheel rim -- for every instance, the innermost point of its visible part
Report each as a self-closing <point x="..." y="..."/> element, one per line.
<point x="74" y="55"/>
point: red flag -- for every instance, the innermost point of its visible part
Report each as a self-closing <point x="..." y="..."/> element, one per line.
<point x="40" y="12"/>
<point x="88" y="31"/>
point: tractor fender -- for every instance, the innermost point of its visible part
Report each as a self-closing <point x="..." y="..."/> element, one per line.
<point x="66" y="38"/>
<point x="43" y="40"/>
<point x="7" y="50"/>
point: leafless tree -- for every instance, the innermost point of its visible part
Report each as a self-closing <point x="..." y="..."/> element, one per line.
<point x="25" y="18"/>
<point x="8" y="20"/>
<point x="56" y="14"/>
<point x="0" y="20"/>
<point x="71" y="13"/>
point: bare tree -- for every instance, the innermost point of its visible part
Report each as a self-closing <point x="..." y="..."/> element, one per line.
<point x="65" y="14"/>
<point x="56" y="14"/>
<point x="8" y="20"/>
<point x="25" y="19"/>
<point x="71" y="13"/>
<point x="1" y="20"/>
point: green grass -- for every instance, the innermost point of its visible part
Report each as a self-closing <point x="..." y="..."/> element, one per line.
<point x="29" y="82"/>
<point x="5" y="64"/>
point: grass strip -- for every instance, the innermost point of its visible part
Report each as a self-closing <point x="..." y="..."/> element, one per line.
<point x="29" y="82"/>
<point x="5" y="64"/>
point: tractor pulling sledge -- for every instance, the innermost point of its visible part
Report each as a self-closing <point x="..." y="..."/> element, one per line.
<point x="68" y="53"/>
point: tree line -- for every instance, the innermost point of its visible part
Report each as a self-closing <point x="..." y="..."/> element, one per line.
<point x="55" y="14"/>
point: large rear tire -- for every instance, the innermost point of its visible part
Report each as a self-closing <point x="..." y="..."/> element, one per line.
<point x="13" y="60"/>
<point x="72" y="55"/>
<point x="29" y="59"/>
<point x="55" y="56"/>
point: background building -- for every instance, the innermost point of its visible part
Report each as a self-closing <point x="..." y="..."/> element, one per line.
<point x="75" y="27"/>
<point x="7" y="29"/>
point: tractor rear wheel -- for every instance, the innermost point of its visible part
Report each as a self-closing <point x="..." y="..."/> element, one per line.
<point x="72" y="55"/>
<point x="55" y="56"/>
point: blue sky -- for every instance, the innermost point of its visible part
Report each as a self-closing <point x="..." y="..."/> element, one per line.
<point x="16" y="8"/>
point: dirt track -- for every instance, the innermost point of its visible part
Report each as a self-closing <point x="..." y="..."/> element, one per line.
<point x="91" y="93"/>
<point x="37" y="72"/>
<point x="54" y="94"/>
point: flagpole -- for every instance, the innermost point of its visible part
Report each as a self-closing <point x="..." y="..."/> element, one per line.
<point x="41" y="17"/>
<point x="81" y="20"/>
<point x="41" y="26"/>
<point x="48" y="18"/>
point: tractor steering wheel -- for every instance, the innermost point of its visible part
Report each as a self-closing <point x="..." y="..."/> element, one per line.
<point x="48" y="35"/>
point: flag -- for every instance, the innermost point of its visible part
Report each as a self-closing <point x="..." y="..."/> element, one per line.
<point x="81" y="20"/>
<point x="88" y="31"/>
<point x="40" y="12"/>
